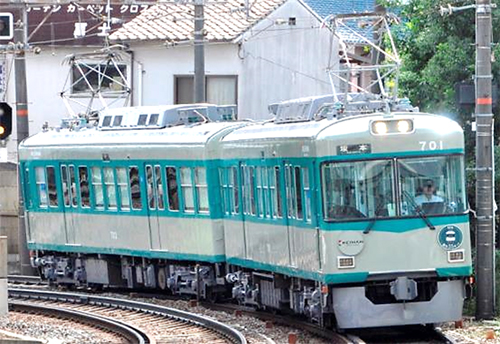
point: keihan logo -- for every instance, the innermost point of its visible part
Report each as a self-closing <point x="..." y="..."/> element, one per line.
<point x="350" y="242"/>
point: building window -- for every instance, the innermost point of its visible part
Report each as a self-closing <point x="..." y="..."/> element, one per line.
<point x="219" y="89"/>
<point x="89" y="78"/>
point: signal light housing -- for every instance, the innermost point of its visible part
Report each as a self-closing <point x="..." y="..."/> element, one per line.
<point x="6" y="26"/>
<point x="5" y="120"/>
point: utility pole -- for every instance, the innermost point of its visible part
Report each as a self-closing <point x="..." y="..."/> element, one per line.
<point x="21" y="39"/>
<point x="199" y="52"/>
<point x="485" y="232"/>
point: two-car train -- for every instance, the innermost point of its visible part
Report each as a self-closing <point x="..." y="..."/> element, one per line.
<point x="324" y="211"/>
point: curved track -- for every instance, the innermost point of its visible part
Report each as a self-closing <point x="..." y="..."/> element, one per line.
<point x="160" y="324"/>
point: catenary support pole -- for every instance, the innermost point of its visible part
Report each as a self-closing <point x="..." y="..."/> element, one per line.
<point x="4" y="306"/>
<point x="20" y="38"/>
<point x="485" y="234"/>
<point x="199" y="52"/>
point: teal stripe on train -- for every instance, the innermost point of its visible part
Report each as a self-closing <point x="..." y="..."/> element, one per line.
<point x="339" y="278"/>
<point x="122" y="251"/>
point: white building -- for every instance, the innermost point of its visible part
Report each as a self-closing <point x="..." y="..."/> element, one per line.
<point x="270" y="51"/>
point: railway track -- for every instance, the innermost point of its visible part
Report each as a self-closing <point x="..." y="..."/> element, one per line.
<point x="157" y="324"/>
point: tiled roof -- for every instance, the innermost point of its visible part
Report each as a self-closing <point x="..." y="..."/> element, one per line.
<point x="174" y="22"/>
<point x="324" y="8"/>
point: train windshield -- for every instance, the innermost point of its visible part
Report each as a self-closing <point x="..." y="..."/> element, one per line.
<point x="432" y="185"/>
<point x="358" y="189"/>
<point x="367" y="189"/>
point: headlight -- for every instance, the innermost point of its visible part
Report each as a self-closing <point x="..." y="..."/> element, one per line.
<point x="401" y="126"/>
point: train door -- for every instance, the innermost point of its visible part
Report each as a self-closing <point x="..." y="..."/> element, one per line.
<point x="291" y="209"/>
<point x="156" y="203"/>
<point x="70" y="201"/>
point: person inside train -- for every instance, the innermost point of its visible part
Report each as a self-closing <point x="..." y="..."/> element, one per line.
<point x="428" y="194"/>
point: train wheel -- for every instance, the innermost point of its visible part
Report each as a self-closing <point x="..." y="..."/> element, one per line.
<point x="162" y="279"/>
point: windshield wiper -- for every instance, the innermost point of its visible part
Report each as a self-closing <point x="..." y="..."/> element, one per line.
<point x="418" y="210"/>
<point x="372" y="222"/>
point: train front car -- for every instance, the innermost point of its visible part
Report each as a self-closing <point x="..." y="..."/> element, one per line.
<point x="394" y="232"/>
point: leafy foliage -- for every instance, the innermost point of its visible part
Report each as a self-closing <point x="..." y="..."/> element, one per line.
<point x="437" y="52"/>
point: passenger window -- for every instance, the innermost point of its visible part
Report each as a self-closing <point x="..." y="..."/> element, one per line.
<point x="298" y="192"/>
<point x="159" y="187"/>
<point x="173" y="195"/>
<point x="84" y="186"/>
<point x="153" y="120"/>
<point x="106" y="121"/>
<point x="52" y="188"/>
<point x="65" y="185"/>
<point x="97" y="185"/>
<point x="277" y="192"/>
<point x="117" y="121"/>
<point x="142" y="120"/>
<point x="41" y="186"/>
<point x="72" y="183"/>
<point x="265" y="193"/>
<point x="109" y="182"/>
<point x="200" y="178"/>
<point x="187" y="189"/>
<point x="307" y="194"/>
<point x="150" y="187"/>
<point x="233" y="182"/>
<point x="135" y="187"/>
<point x="260" y="194"/>
<point x="225" y="197"/>
<point x="122" y="181"/>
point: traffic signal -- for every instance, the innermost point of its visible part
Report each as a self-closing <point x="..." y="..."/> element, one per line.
<point x="5" y="120"/>
<point x="6" y="26"/>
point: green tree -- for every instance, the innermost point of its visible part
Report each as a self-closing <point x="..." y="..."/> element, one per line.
<point x="437" y="52"/>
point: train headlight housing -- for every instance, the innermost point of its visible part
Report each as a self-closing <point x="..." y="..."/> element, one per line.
<point x="2" y="130"/>
<point x="386" y="127"/>
<point x="344" y="262"/>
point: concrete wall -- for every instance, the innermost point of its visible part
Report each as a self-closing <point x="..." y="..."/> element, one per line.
<point x="8" y="212"/>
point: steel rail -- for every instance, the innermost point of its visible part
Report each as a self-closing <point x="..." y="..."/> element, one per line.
<point x="130" y="333"/>
<point x="224" y="330"/>
<point x="25" y="279"/>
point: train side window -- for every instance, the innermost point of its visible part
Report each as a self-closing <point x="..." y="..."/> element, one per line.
<point x="72" y="183"/>
<point x="117" y="121"/>
<point x="173" y="194"/>
<point x="265" y="193"/>
<point x="200" y="179"/>
<point x="298" y="192"/>
<point x="290" y="195"/>
<point x="65" y="185"/>
<point x="245" y="184"/>
<point x="109" y="183"/>
<point x="251" y="177"/>
<point x="97" y="186"/>
<point x="225" y="194"/>
<point x="307" y="194"/>
<point x="159" y="187"/>
<point x="150" y="187"/>
<point x="142" y="120"/>
<point x="153" y="120"/>
<point x="187" y="189"/>
<point x="52" y="187"/>
<point x="106" y="121"/>
<point x="122" y="181"/>
<point x="83" y="173"/>
<point x="277" y="192"/>
<point x="41" y="186"/>
<point x="135" y="187"/>
<point x="260" y="192"/>
<point x="233" y="183"/>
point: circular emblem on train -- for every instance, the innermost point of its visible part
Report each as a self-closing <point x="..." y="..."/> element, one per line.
<point x="350" y="243"/>
<point x="450" y="237"/>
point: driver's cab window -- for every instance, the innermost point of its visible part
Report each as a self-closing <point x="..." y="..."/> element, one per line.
<point x="432" y="185"/>
<point x="359" y="189"/>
